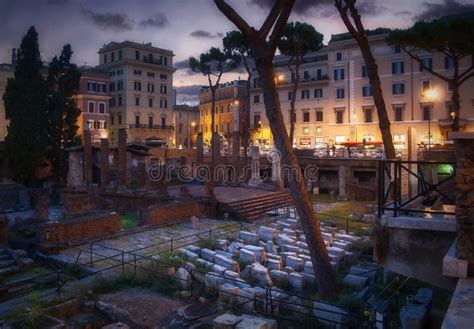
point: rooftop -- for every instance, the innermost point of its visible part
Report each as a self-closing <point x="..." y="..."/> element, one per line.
<point x="143" y="46"/>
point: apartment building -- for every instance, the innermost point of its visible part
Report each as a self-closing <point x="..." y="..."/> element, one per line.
<point x="141" y="92"/>
<point x="231" y="106"/>
<point x="334" y="101"/>
<point x="186" y="123"/>
<point x="93" y="100"/>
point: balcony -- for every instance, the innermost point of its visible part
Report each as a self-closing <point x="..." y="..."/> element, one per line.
<point x="449" y="122"/>
<point x="157" y="127"/>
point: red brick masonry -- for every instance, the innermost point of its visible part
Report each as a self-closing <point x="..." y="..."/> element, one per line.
<point x="168" y="213"/>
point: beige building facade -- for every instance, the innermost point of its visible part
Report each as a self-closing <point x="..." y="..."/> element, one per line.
<point x="186" y="123"/>
<point x="334" y="102"/>
<point x="141" y="91"/>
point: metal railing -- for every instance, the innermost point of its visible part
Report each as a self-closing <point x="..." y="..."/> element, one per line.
<point x="401" y="182"/>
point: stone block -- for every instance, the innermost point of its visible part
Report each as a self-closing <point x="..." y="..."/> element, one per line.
<point x="330" y="315"/>
<point x="249" y="237"/>
<point x="274" y="256"/>
<point x="259" y="252"/>
<point x="246" y="299"/>
<point x="254" y="322"/>
<point x="290" y="248"/>
<point x="274" y="264"/>
<point x="184" y="278"/>
<point x="218" y="269"/>
<point x="284" y="239"/>
<point x="308" y="268"/>
<point x="413" y="316"/>
<point x="26" y="263"/>
<point x="355" y="281"/>
<point x="296" y="280"/>
<point x="295" y="304"/>
<point x="222" y="244"/>
<point x="224" y="253"/>
<point x="424" y="296"/>
<point x="286" y="254"/>
<point x="228" y="293"/>
<point x="195" y="249"/>
<point x="188" y="255"/>
<point x="204" y="263"/>
<point x="231" y="276"/>
<point x="213" y="280"/>
<point x="246" y="256"/>
<point x="18" y="254"/>
<point x="270" y="247"/>
<point x="309" y="278"/>
<point x="302" y="245"/>
<point x="279" y="278"/>
<point x="370" y="273"/>
<point x="260" y="275"/>
<point x="226" y="321"/>
<point x="267" y="233"/>
<point x="295" y="263"/>
<point x="227" y="263"/>
<point x="288" y="269"/>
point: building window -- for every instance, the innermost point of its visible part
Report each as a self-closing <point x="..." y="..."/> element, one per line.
<point x="120" y="85"/>
<point x="150" y="102"/>
<point x="91" y="86"/>
<point x="163" y="122"/>
<point x="398" y="112"/>
<point x="398" y="88"/>
<point x="90" y="106"/>
<point x="256" y="82"/>
<point x="398" y="67"/>
<point x="318" y="93"/>
<point x="151" y="88"/>
<point x="305" y="131"/>
<point x="112" y="86"/>
<point x="137" y="101"/>
<point x="397" y="50"/>
<point x="111" y="73"/>
<point x="256" y="121"/>
<point x="119" y="99"/>
<point x="368" y="114"/>
<point x="339" y="116"/>
<point x="163" y="104"/>
<point x="319" y="115"/>
<point x="137" y="85"/>
<point x="137" y="121"/>
<point x="339" y="74"/>
<point x="305" y="94"/>
<point x="150" y="74"/>
<point x="163" y="89"/>
<point x="120" y="72"/>
<point x="90" y="124"/>
<point x="426" y="62"/>
<point x="112" y="57"/>
<point x="119" y="119"/>
<point x="112" y="120"/>
<point x="256" y="99"/>
<point x="105" y="58"/>
<point x="367" y="91"/>
<point x="319" y="74"/>
<point x="137" y="72"/>
<point x="112" y="102"/>
<point x="306" y="75"/>
<point x="305" y="116"/>
<point x="425" y="85"/>
<point x="290" y="95"/>
<point x="338" y="56"/>
<point x="364" y="71"/>
<point x="101" y="108"/>
<point x="137" y="55"/>
<point x="102" y="124"/>
<point x="102" y="88"/>
<point x="120" y="54"/>
<point x="150" y="122"/>
<point x="163" y="77"/>
<point x="340" y="93"/>
<point x="427" y="112"/>
<point x="448" y="63"/>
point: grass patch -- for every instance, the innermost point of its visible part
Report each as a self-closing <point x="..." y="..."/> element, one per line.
<point x="207" y="243"/>
<point x="129" y="221"/>
<point x="26" y="274"/>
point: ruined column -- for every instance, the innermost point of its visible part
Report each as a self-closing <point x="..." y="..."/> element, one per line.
<point x="122" y="159"/>
<point x="254" y="154"/>
<point x="87" y="158"/>
<point x="464" y="147"/>
<point x="342" y="183"/>
<point x="275" y="158"/>
<point x="412" y="156"/>
<point x="104" y="162"/>
<point x="75" y="174"/>
<point x="236" y="134"/>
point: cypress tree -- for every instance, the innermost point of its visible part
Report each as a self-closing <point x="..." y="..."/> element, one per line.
<point x="63" y="84"/>
<point x="26" y="106"/>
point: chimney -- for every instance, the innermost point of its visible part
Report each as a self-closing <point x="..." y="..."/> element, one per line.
<point x="14" y="56"/>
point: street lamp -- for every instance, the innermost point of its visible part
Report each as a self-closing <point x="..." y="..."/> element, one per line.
<point x="193" y="124"/>
<point x="431" y="95"/>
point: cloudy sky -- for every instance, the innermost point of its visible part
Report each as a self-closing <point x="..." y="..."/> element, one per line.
<point x="188" y="27"/>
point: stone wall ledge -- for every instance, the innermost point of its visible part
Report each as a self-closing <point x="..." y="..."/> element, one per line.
<point x="427" y="224"/>
<point x="460" y="314"/>
<point x="453" y="266"/>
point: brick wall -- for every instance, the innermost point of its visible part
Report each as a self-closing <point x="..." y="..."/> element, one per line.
<point x="80" y="229"/>
<point x="168" y="213"/>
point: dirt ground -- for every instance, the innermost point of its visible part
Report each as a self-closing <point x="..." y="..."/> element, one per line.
<point x="147" y="308"/>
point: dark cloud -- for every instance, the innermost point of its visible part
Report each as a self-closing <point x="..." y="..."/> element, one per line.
<point x="322" y="8"/>
<point x="201" y="34"/>
<point x="403" y="13"/>
<point x="447" y="7"/>
<point x="188" y="99"/>
<point x="188" y="90"/>
<point x="183" y="66"/>
<point x="109" y="21"/>
<point x="159" y="20"/>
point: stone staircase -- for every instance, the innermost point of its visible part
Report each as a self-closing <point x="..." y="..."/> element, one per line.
<point x="7" y="263"/>
<point x="254" y="208"/>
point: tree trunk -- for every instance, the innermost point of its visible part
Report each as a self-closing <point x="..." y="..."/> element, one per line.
<point x="247" y="117"/>
<point x="319" y="256"/>
<point x="293" y="99"/>
<point x="374" y="79"/>
<point x="210" y="184"/>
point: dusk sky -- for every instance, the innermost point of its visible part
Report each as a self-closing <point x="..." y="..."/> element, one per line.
<point x="187" y="27"/>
